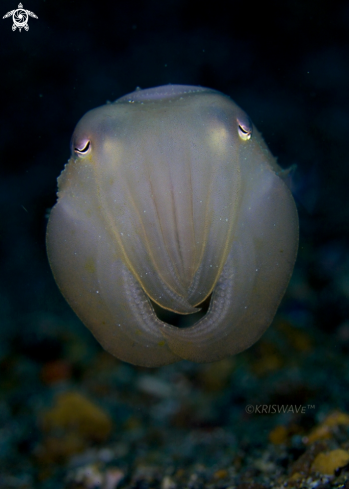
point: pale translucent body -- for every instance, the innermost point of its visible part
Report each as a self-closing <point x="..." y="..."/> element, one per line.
<point x="167" y="197"/>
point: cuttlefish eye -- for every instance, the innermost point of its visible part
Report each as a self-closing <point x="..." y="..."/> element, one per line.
<point x="244" y="128"/>
<point x="83" y="147"/>
<point x="172" y="210"/>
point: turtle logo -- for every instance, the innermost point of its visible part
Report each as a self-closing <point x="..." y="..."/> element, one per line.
<point x="20" y="18"/>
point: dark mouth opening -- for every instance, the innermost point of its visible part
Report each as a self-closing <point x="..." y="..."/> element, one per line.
<point x="181" y="320"/>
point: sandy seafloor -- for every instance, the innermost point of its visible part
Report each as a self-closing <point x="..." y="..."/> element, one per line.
<point x="72" y="416"/>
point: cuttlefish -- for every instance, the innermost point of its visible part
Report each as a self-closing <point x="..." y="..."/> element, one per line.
<point x="171" y="198"/>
